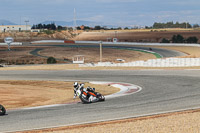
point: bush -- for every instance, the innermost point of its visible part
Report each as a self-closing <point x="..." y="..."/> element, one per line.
<point x="178" y="39"/>
<point x="51" y="60"/>
<point x="48" y="32"/>
<point x="192" y="40"/>
<point x="164" y="40"/>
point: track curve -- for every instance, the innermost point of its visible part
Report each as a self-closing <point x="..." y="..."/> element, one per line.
<point x="163" y="91"/>
<point x="160" y="51"/>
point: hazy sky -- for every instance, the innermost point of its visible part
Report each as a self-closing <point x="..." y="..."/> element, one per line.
<point x="112" y="12"/>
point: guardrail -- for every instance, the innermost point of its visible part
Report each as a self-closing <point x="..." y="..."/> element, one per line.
<point x="121" y="43"/>
<point x="49" y="41"/>
<point x="14" y="43"/>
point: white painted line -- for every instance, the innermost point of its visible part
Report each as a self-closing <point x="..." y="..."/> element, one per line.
<point x="45" y="106"/>
<point x="125" y="88"/>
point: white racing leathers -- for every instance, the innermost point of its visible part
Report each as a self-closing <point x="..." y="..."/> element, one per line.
<point x="85" y="95"/>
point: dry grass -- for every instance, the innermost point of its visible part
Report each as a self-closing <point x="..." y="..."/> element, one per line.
<point x="92" y="54"/>
<point x="153" y="35"/>
<point x="18" y="94"/>
<point x="21" y="54"/>
<point x="144" y="30"/>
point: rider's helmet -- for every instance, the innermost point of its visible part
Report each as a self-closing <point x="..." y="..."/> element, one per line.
<point x="76" y="85"/>
<point x="93" y="89"/>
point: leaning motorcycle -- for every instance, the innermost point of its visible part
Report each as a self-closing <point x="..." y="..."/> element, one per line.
<point x="2" y="110"/>
<point x="96" y="97"/>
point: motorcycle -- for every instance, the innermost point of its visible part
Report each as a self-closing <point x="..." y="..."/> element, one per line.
<point x="2" y="110"/>
<point x="91" y="97"/>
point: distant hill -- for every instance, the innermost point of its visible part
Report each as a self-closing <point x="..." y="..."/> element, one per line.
<point x="71" y="23"/>
<point x="6" y="22"/>
<point x="63" y="23"/>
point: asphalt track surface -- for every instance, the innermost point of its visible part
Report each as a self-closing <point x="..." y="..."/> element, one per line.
<point x="162" y="91"/>
<point x="160" y="51"/>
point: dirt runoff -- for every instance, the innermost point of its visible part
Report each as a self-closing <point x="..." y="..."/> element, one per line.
<point x="21" y="94"/>
<point x="93" y="54"/>
<point x="154" y="35"/>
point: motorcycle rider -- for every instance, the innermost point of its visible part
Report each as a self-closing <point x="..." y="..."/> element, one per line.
<point x="77" y="87"/>
<point x="91" y="96"/>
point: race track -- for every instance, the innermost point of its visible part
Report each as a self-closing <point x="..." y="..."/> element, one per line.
<point x="162" y="91"/>
<point x="160" y="51"/>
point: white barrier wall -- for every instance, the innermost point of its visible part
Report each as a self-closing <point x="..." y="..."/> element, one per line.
<point x="14" y="43"/>
<point x="168" y="62"/>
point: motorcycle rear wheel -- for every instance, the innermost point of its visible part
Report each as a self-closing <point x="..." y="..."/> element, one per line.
<point x="2" y="110"/>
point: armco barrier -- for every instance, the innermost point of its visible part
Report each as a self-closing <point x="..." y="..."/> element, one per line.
<point x="49" y="41"/>
<point x="121" y="43"/>
<point x="14" y="43"/>
<point x="168" y="62"/>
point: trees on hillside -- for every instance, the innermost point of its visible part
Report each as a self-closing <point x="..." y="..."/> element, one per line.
<point x="171" y="25"/>
<point x="192" y="39"/>
<point x="164" y="40"/>
<point x="180" y="39"/>
<point x="51" y="26"/>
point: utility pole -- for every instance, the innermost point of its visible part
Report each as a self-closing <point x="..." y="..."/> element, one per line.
<point x="26" y="21"/>
<point x="20" y="20"/>
<point x="75" y="20"/>
<point x="186" y="25"/>
<point x="100" y="51"/>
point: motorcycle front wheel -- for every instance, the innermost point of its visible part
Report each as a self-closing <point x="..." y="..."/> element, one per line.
<point x="2" y="110"/>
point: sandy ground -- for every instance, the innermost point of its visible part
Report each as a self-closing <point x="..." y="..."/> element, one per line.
<point x="20" y="94"/>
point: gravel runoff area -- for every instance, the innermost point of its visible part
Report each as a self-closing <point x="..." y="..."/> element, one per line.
<point x="38" y="93"/>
